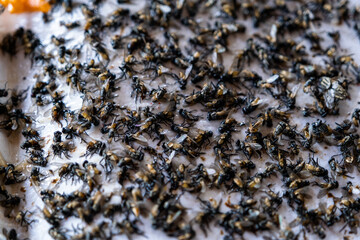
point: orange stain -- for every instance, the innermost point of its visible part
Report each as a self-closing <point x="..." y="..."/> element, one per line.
<point x="21" y="6"/>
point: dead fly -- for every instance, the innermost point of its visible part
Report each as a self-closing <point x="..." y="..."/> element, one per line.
<point x="297" y="183"/>
<point x="60" y="147"/>
<point x="193" y="98"/>
<point x="36" y="176"/>
<point x="337" y="168"/>
<point x="272" y="200"/>
<point x="139" y="88"/>
<point x="32" y="144"/>
<point x="329" y="215"/>
<point x="116" y="19"/>
<point x="97" y="231"/>
<point x="71" y="171"/>
<point x="16" y="118"/>
<point x="22" y="219"/>
<point x="57" y="233"/>
<point x="298" y="196"/>
<point x="51" y="217"/>
<point x="331" y="184"/>
<point x="246" y="164"/>
<point x="315" y="169"/>
<point x="108" y="161"/>
<point x="106" y="111"/>
<point x="87" y="113"/>
<point x="293" y="148"/>
<point x="158" y="94"/>
<point x="248" y="148"/>
<point x="95" y="147"/>
<point x="310" y="219"/>
<point x="91" y="173"/>
<point x="37" y="158"/>
<point x="30" y="133"/>
<point x="188" y="115"/>
<point x="113" y="129"/>
<point x="7" y="200"/>
<point x="223" y="141"/>
<point x="174" y="148"/>
<point x="210" y="210"/>
<point x="251" y="105"/>
<point x="57" y="41"/>
<point x="58" y="111"/>
<point x="101" y="50"/>
<point x="348" y="189"/>
<point x="261" y="120"/>
<point x="134" y="154"/>
<point x="215" y="104"/>
<point x="11" y="174"/>
<point x="202" y="137"/>
<point x="280" y="128"/>
<point x="212" y="116"/>
<point x="180" y="129"/>
<point x="92" y="25"/>
<point x="307" y="140"/>
<point x="341" y="129"/>
<point x="228" y="124"/>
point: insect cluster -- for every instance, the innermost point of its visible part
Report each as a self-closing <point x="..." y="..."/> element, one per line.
<point x="165" y="116"/>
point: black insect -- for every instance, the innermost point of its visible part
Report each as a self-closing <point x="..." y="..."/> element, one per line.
<point x="60" y="147"/>
<point x="188" y="115"/>
<point x="11" y="174"/>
